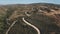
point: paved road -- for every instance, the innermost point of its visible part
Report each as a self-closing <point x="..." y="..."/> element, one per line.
<point x="38" y="31"/>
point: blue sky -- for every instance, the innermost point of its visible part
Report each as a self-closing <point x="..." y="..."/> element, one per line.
<point x="28" y="1"/>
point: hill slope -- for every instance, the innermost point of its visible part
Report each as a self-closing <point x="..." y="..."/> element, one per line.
<point x="47" y="16"/>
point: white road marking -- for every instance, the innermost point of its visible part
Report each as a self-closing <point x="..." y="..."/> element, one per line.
<point x="38" y="31"/>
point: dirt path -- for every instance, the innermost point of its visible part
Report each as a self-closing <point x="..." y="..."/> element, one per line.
<point x="10" y="27"/>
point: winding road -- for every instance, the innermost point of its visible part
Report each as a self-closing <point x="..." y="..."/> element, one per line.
<point x="38" y="31"/>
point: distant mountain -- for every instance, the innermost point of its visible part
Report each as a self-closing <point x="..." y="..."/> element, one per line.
<point x="45" y="4"/>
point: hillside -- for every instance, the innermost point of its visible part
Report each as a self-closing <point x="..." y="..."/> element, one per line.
<point x="45" y="16"/>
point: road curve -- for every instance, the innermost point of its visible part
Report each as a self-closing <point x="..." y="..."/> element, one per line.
<point x="27" y="14"/>
<point x="38" y="31"/>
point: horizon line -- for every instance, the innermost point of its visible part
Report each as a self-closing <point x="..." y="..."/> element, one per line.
<point x="29" y="3"/>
